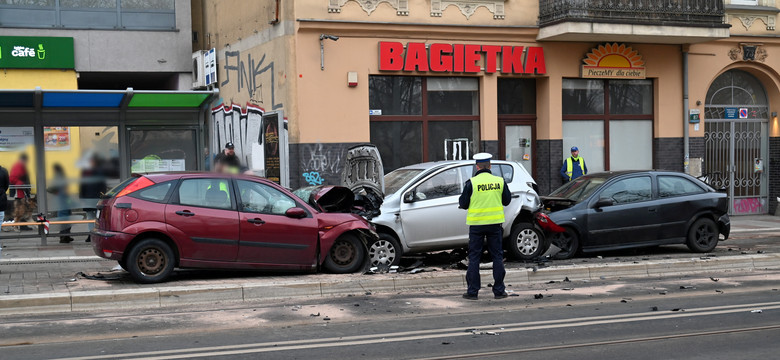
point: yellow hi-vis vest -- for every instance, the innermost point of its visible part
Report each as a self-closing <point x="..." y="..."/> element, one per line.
<point x="485" y="207"/>
<point x="570" y="166"/>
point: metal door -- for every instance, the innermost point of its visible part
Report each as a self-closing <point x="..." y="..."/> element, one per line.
<point x="736" y="140"/>
<point x="735" y="157"/>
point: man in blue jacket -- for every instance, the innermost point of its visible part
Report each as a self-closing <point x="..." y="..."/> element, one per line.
<point x="574" y="166"/>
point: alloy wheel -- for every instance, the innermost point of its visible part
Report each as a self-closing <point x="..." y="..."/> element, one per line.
<point x="527" y="242"/>
<point x="382" y="252"/>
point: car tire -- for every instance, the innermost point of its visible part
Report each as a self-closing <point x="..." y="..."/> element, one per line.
<point x="123" y="263"/>
<point x="150" y="261"/>
<point x="347" y="255"/>
<point x="703" y="235"/>
<point x="569" y="243"/>
<point x="385" y="251"/>
<point x="526" y="242"/>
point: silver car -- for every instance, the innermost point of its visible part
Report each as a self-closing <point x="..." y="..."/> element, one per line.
<point x="420" y="211"/>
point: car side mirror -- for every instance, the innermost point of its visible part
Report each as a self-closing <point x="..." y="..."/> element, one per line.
<point x="295" y="213"/>
<point x="409" y="197"/>
<point x="604" y="202"/>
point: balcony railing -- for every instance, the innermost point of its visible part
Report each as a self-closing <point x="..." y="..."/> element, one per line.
<point x="700" y="13"/>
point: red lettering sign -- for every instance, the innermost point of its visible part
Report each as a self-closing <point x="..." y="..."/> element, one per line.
<point x="391" y="56"/>
<point x="441" y="57"/>
<point x="461" y="58"/>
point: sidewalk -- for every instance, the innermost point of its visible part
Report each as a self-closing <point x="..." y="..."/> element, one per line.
<point x="35" y="278"/>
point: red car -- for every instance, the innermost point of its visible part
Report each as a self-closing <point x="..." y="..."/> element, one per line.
<point x="152" y="223"/>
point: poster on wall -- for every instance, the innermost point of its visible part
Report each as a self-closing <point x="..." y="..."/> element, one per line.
<point x="13" y="138"/>
<point x="271" y="147"/>
<point x="56" y="138"/>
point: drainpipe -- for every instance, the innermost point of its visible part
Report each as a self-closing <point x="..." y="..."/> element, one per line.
<point x="685" y="109"/>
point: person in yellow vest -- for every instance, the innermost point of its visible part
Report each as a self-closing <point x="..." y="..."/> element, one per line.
<point x="574" y="166"/>
<point x="484" y="197"/>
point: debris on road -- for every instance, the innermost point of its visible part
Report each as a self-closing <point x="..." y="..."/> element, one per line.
<point x="326" y="318"/>
<point x="662" y="293"/>
<point x="445" y="343"/>
<point x="686" y="287"/>
<point x="757" y="311"/>
<point x="538" y="296"/>
<point x="314" y="315"/>
<point x="714" y="279"/>
<point x="654" y="308"/>
<point x="719" y="291"/>
<point x="568" y="289"/>
<point x="678" y="309"/>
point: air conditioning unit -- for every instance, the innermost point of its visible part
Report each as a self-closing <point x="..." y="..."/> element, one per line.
<point x="199" y="69"/>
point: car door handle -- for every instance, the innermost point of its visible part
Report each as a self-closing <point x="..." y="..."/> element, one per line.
<point x="185" y="213"/>
<point x="651" y="209"/>
<point x="515" y="196"/>
<point x="256" y="221"/>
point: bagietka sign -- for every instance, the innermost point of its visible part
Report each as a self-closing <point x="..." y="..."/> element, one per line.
<point x="461" y="58"/>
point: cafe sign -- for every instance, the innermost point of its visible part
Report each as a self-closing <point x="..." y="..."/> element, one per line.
<point x="35" y="52"/>
<point x="613" y="61"/>
<point x="461" y="58"/>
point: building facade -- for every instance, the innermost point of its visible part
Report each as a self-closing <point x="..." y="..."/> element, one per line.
<point x="685" y="85"/>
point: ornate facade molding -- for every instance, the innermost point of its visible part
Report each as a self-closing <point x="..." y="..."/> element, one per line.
<point x="468" y="7"/>
<point x="747" y="20"/>
<point x="748" y="52"/>
<point x="401" y="6"/>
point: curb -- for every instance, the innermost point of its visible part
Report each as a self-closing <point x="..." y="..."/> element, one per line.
<point x="163" y="296"/>
<point x="52" y="260"/>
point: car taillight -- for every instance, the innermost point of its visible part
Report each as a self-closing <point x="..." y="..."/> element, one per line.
<point x="139" y="184"/>
<point x="547" y="224"/>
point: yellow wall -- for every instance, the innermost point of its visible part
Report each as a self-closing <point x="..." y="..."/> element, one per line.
<point x="50" y="79"/>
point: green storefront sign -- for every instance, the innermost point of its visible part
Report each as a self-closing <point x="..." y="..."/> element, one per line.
<point x="31" y="52"/>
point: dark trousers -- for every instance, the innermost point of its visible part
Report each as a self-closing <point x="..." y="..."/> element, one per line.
<point x="477" y="236"/>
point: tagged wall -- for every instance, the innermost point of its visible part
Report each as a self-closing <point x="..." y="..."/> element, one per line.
<point x="241" y="127"/>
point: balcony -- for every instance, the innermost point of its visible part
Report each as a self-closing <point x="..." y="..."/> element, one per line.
<point x="642" y="21"/>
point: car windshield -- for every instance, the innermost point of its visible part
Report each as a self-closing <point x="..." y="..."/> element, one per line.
<point x="579" y="188"/>
<point x="395" y="180"/>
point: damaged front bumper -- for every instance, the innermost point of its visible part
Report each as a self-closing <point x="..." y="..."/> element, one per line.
<point x="724" y="226"/>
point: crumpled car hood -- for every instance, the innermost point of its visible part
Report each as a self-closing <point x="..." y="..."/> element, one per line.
<point x="339" y="199"/>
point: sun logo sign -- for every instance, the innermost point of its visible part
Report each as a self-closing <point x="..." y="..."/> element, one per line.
<point x="613" y="61"/>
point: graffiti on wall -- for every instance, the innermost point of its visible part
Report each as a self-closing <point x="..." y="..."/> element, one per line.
<point x="753" y="205"/>
<point x="322" y="163"/>
<point x="241" y="127"/>
<point x="247" y="73"/>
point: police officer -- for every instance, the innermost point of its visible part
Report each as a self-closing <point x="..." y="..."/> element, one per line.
<point x="574" y="166"/>
<point x="484" y="196"/>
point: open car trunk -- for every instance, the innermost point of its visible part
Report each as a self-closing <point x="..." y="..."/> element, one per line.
<point x="362" y="185"/>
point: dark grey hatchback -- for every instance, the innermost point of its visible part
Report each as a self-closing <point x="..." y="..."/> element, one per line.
<point x="624" y="209"/>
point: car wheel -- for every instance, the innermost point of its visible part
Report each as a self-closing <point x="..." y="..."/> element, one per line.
<point x="526" y="242"/>
<point x="150" y="261"/>
<point x="568" y="242"/>
<point x="385" y="251"/>
<point x="346" y="255"/>
<point x="703" y="235"/>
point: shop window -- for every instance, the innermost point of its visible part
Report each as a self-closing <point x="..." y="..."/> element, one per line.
<point x="582" y="96"/>
<point x="453" y="96"/>
<point x="588" y="136"/>
<point x="415" y="119"/>
<point x="620" y="138"/>
<point x="630" y="144"/>
<point x="395" y="95"/>
<point x="633" y="97"/>
<point x="516" y="96"/>
<point x="452" y="139"/>
<point x="399" y="142"/>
